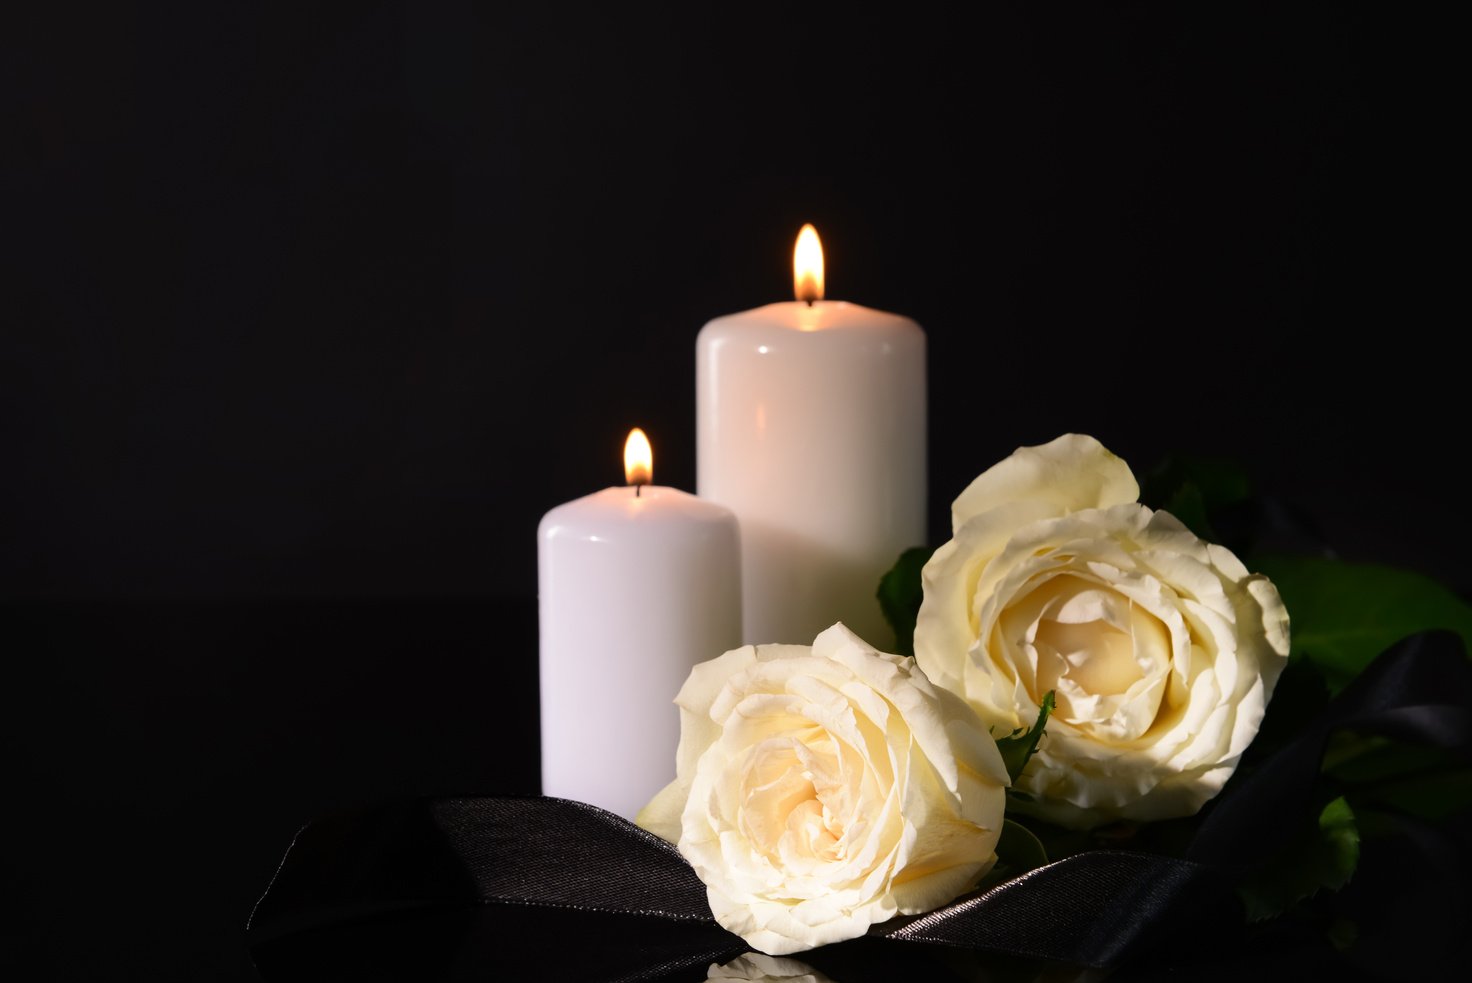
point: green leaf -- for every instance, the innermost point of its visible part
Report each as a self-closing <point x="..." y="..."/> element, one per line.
<point x="1191" y="488"/>
<point x="1018" y="850"/>
<point x="1431" y="783"/>
<point x="1300" y="695"/>
<point x="1020" y="745"/>
<point x="1188" y="504"/>
<point x="1341" y="840"/>
<point x="1435" y="798"/>
<point x="1367" y="759"/>
<point x="1345" y="614"/>
<point x="900" y="593"/>
<point x="1323" y="858"/>
<point x="1343" y="934"/>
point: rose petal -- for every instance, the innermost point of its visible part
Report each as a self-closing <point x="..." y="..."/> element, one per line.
<point x="1071" y="473"/>
<point x="819" y="789"/>
<point x="1161" y="650"/>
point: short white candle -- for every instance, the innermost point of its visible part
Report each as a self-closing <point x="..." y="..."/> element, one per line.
<point x="810" y="420"/>
<point x="635" y="586"/>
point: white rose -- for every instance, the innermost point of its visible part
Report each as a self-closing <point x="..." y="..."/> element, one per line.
<point x="757" y="968"/>
<point x="820" y="790"/>
<point x="1162" y="649"/>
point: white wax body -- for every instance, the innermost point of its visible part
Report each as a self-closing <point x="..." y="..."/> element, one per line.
<point x="810" y="425"/>
<point x="632" y="592"/>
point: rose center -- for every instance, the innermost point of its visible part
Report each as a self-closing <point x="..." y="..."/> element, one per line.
<point x="1092" y="647"/>
<point x="791" y="788"/>
<point x="1094" y="656"/>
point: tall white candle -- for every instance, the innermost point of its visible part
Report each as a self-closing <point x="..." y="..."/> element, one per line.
<point x="810" y="421"/>
<point x="635" y="586"/>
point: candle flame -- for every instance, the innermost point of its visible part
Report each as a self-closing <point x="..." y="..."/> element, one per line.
<point x="638" y="459"/>
<point x="807" y="266"/>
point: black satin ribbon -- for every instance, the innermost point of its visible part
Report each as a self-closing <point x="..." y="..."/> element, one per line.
<point x="554" y="889"/>
<point x="1418" y="690"/>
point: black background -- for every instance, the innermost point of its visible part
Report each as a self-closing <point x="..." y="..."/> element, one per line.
<point x="309" y="314"/>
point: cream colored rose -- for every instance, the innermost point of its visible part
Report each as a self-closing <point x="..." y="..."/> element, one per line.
<point x="757" y="968"/>
<point x="820" y="790"/>
<point x="1162" y="649"/>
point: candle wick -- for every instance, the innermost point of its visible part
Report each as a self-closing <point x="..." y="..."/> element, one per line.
<point x="810" y="302"/>
<point x="637" y="488"/>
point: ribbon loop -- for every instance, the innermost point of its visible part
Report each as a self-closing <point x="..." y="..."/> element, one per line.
<point x="503" y="887"/>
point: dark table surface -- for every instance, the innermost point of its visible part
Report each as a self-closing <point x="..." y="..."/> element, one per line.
<point x="160" y="757"/>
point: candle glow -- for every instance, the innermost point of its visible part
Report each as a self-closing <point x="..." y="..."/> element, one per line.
<point x="807" y="266"/>
<point x="810" y="427"/>
<point x="638" y="459"/>
<point x="633" y="589"/>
